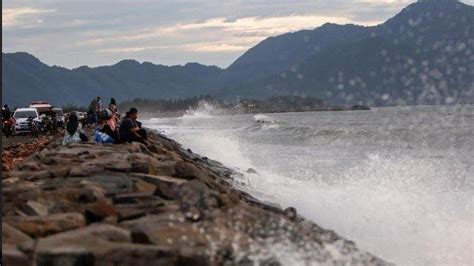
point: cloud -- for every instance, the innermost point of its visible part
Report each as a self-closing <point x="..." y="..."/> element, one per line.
<point x="222" y="35"/>
<point x="101" y="32"/>
<point x="246" y="26"/>
<point x="213" y="47"/>
<point x="205" y="47"/>
<point x="16" y="16"/>
<point x="132" y="49"/>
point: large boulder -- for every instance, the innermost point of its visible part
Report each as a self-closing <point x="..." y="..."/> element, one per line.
<point x="40" y="226"/>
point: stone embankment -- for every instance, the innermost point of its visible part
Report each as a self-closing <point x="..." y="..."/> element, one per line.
<point x="155" y="204"/>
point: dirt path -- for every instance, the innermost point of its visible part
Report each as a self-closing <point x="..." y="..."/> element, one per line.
<point x="15" y="150"/>
<point x="8" y="142"/>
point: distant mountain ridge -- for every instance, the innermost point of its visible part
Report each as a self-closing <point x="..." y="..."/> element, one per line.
<point x="25" y="78"/>
<point x="423" y="55"/>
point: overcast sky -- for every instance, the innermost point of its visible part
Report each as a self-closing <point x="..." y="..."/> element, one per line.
<point x="213" y="32"/>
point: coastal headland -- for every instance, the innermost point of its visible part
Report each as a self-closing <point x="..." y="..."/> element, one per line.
<point x="154" y="204"/>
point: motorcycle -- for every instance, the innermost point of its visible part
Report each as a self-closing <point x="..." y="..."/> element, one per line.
<point x="34" y="128"/>
<point x="48" y="126"/>
<point x="9" y="127"/>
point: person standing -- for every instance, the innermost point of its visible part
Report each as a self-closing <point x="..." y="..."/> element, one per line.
<point x="6" y="113"/>
<point x="92" y="114"/>
<point x="98" y="105"/>
<point x="98" y="108"/>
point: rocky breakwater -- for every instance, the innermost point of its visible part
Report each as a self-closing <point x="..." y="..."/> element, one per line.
<point x="155" y="204"/>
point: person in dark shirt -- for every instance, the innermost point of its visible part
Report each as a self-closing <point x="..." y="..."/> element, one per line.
<point x="6" y="113"/>
<point x="129" y="130"/>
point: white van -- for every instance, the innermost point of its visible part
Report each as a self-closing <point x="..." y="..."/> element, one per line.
<point x="21" y="116"/>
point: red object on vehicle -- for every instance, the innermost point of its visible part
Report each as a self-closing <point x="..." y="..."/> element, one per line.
<point x="42" y="106"/>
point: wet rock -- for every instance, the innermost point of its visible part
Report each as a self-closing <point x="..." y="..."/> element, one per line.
<point x="32" y="208"/>
<point x="134" y="197"/>
<point x="192" y="213"/>
<point x="108" y="245"/>
<point x="113" y="184"/>
<point x="291" y="213"/>
<point x="251" y="171"/>
<point x="12" y="256"/>
<point x="130" y="213"/>
<point x="159" y="233"/>
<point x="34" y="175"/>
<point x="119" y="166"/>
<point x="100" y="211"/>
<point x="270" y="262"/>
<point x="91" y="193"/>
<point x="143" y="186"/>
<point x="149" y="206"/>
<point x="59" y="171"/>
<point x="9" y="181"/>
<point x="196" y="194"/>
<point x="40" y="226"/>
<point x="30" y="166"/>
<point x="13" y="236"/>
<point x="165" y="187"/>
<point x="165" y="168"/>
<point x="152" y="255"/>
<point x="78" y="247"/>
<point x="188" y="171"/>
<point x="84" y="170"/>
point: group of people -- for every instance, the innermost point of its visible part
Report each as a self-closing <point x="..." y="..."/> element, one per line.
<point x="110" y="127"/>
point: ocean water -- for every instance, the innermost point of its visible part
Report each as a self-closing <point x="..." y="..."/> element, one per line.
<point x="397" y="181"/>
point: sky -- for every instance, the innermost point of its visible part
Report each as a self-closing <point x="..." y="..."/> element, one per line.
<point x="169" y="32"/>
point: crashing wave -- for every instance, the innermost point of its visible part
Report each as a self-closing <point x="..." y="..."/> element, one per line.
<point x="204" y="110"/>
<point x="263" y="119"/>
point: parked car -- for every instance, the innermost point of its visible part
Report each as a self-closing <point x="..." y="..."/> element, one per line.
<point x="21" y="116"/>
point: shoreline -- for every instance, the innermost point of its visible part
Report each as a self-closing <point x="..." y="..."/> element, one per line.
<point x="154" y="204"/>
<point x="149" y="115"/>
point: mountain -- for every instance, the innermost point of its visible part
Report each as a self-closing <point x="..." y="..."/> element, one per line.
<point x="280" y="53"/>
<point x="423" y="55"/>
<point x="25" y="78"/>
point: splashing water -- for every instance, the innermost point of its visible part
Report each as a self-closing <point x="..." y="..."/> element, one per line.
<point x="204" y="110"/>
<point x="261" y="118"/>
<point x="399" y="182"/>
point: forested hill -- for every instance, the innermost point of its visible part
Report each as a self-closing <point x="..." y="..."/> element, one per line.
<point x="25" y="78"/>
<point x="423" y="55"/>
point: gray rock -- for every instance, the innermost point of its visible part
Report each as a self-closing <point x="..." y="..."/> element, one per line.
<point x="33" y="208"/>
<point x="13" y="236"/>
<point x="12" y="256"/>
<point x="113" y="184"/>
<point x="291" y="213"/>
<point x="39" y="226"/>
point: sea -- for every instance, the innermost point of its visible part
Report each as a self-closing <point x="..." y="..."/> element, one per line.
<point x="398" y="181"/>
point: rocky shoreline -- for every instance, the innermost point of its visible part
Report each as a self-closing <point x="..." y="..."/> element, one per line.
<point x="131" y="204"/>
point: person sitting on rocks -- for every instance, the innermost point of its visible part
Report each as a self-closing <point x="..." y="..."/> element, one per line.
<point x="129" y="129"/>
<point x="109" y="118"/>
<point x="74" y="132"/>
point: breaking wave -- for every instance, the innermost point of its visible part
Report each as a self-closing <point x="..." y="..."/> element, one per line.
<point x="203" y="111"/>
<point x="404" y="206"/>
